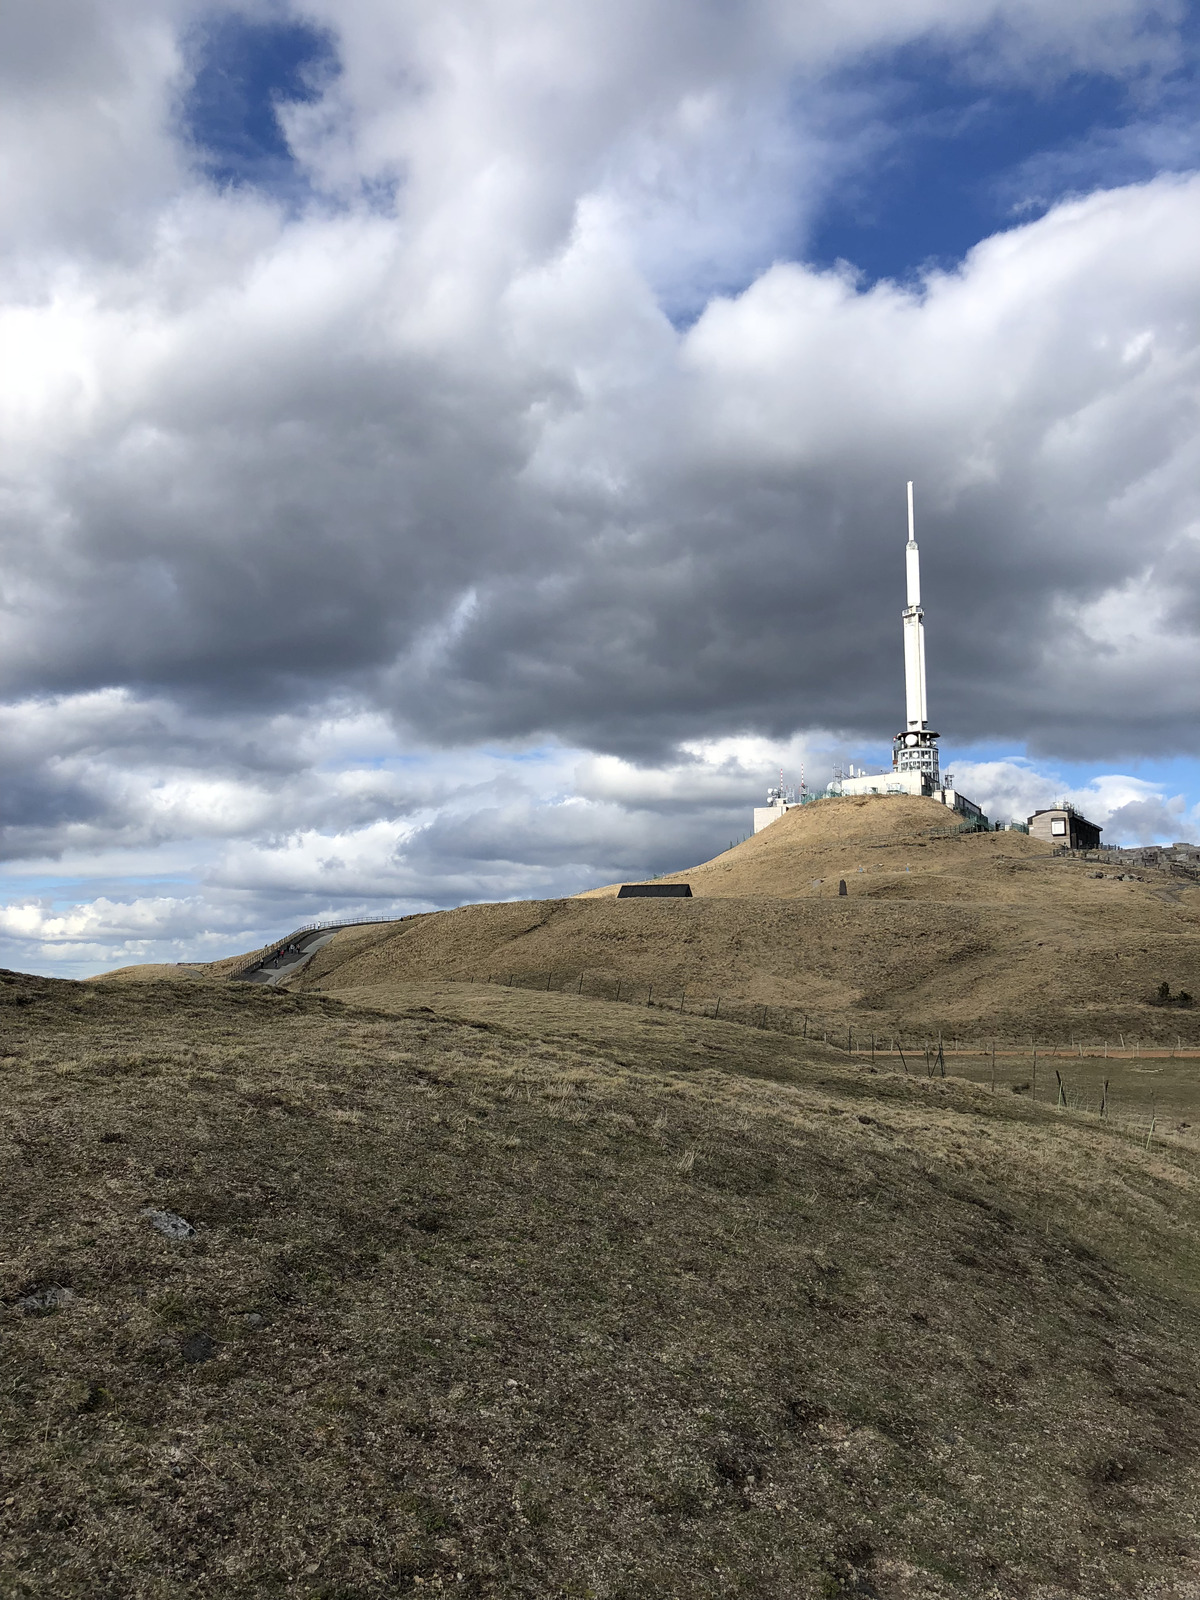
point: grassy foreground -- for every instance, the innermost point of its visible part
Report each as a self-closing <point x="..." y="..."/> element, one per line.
<point x="497" y="1293"/>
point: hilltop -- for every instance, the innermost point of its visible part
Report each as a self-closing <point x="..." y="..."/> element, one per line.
<point x="500" y="1293"/>
<point x="970" y="934"/>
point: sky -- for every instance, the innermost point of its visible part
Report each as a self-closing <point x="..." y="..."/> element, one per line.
<point x="456" y="452"/>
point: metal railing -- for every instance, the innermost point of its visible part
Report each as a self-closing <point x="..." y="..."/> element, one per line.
<point x="971" y="825"/>
<point x="261" y="957"/>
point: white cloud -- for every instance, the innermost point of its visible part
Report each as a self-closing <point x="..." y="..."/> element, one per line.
<point x="86" y="153"/>
<point x="1130" y="810"/>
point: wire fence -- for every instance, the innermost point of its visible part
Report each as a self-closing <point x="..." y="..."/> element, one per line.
<point x="1032" y="1069"/>
<point x="1026" y="1067"/>
<point x="852" y="1039"/>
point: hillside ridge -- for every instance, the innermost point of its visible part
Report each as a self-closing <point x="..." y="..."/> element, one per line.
<point x="969" y="932"/>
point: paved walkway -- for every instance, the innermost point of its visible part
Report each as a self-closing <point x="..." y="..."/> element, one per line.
<point x="288" y="961"/>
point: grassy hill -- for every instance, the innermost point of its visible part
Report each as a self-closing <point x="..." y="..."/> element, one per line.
<point x="976" y="935"/>
<point x="496" y="1292"/>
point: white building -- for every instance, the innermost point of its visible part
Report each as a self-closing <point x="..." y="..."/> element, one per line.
<point x="942" y="789"/>
<point x="779" y="800"/>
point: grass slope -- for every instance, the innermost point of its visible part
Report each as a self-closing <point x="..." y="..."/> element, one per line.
<point x="979" y="935"/>
<point x="516" y="1294"/>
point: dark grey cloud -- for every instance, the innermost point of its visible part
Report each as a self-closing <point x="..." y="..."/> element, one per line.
<point x="702" y="536"/>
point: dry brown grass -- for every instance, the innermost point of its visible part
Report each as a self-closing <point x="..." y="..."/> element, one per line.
<point x="876" y="843"/>
<point x="980" y="935"/>
<point x="505" y="1293"/>
<point x="983" y="935"/>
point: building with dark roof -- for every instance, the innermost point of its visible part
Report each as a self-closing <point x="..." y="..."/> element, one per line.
<point x="1064" y="826"/>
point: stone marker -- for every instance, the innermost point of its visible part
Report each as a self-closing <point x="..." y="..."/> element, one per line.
<point x="167" y="1222"/>
<point x="38" y="1304"/>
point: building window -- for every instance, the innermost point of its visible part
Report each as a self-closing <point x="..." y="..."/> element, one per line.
<point x="1058" y="824"/>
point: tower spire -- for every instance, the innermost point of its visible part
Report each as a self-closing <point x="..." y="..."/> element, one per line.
<point x="916" y="748"/>
<point x="916" y="709"/>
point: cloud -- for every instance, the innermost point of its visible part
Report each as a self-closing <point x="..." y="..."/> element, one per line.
<point x="87" y="161"/>
<point x="1130" y="810"/>
<point x="595" y="527"/>
<point x="342" y="840"/>
<point x="480" y="495"/>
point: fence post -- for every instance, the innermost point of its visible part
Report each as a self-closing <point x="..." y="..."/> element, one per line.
<point x="717" y="1011"/>
<point x="649" y="994"/>
<point x="580" y="988"/>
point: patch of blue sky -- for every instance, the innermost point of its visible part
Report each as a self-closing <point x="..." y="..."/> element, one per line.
<point x="63" y="891"/>
<point x="1173" y="774"/>
<point x="242" y="72"/>
<point x="1173" y="779"/>
<point x="1170" y="776"/>
<point x="537" y="755"/>
<point x="955" y="161"/>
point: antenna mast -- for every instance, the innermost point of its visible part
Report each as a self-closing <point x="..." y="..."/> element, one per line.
<point x="915" y="748"/>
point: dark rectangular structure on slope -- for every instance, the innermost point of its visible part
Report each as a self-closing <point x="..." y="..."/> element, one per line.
<point x="655" y="891"/>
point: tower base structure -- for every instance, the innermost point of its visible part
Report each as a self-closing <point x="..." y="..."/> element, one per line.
<point x="916" y="750"/>
<point x="911" y="780"/>
<point x="920" y="783"/>
<point x="916" y="770"/>
<point x="914" y="781"/>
